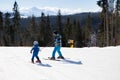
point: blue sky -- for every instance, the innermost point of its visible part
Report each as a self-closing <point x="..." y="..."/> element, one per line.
<point x="77" y="5"/>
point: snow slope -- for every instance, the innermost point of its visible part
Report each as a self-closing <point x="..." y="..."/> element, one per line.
<point x="81" y="64"/>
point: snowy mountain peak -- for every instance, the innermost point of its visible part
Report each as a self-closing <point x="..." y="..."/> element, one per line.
<point x="36" y="11"/>
<point x="47" y="10"/>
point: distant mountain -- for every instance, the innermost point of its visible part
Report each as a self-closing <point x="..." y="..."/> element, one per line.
<point x="52" y="11"/>
<point x="37" y="11"/>
<point x="47" y="10"/>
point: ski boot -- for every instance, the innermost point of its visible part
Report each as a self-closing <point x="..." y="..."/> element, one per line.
<point x="60" y="57"/>
<point x="32" y="61"/>
<point x="52" y="58"/>
<point x="38" y="61"/>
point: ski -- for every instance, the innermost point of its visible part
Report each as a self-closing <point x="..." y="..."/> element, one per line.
<point x="51" y="59"/>
<point x="36" y="62"/>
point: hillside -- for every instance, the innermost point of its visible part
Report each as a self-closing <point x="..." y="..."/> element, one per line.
<point x="81" y="17"/>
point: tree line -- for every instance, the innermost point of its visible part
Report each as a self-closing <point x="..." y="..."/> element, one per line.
<point x="14" y="32"/>
<point x="109" y="34"/>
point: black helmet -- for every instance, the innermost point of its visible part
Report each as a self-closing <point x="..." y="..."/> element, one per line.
<point x="55" y="32"/>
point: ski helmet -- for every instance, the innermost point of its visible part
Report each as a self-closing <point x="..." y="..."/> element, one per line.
<point x="35" y="42"/>
<point x="55" y="32"/>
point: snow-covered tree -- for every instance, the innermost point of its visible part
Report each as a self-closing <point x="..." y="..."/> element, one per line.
<point x="93" y="39"/>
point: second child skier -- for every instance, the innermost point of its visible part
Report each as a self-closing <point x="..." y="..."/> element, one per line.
<point x="35" y="50"/>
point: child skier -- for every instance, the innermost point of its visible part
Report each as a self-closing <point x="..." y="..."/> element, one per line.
<point x="35" y="51"/>
<point x="58" y="44"/>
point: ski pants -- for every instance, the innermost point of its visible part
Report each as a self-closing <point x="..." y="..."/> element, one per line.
<point x="56" y="49"/>
<point x="35" y="54"/>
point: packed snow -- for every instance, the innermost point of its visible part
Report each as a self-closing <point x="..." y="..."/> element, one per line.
<point x="80" y="64"/>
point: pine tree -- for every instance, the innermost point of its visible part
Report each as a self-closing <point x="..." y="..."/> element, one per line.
<point x="102" y="28"/>
<point x="59" y="23"/>
<point x="1" y="29"/>
<point x="59" y="27"/>
<point x="117" y="24"/>
<point x="87" y="30"/>
<point x="26" y="37"/>
<point x="1" y="21"/>
<point x="74" y="24"/>
<point x="79" y="37"/>
<point x="68" y="31"/>
<point x="103" y="34"/>
<point x="49" y="37"/>
<point x="102" y="4"/>
<point x="33" y="30"/>
<point x="7" y="33"/>
<point x="16" y="24"/>
<point x="26" y="33"/>
<point x="107" y="22"/>
<point x="42" y="37"/>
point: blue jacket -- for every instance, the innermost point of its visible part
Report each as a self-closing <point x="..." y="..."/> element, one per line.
<point x="35" y="49"/>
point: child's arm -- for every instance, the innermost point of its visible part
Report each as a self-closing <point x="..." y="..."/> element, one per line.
<point x="39" y="49"/>
<point x="31" y="50"/>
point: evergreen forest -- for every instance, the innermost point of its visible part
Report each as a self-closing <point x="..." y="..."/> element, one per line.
<point x="83" y="29"/>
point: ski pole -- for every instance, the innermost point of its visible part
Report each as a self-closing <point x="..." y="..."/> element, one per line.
<point x="49" y="44"/>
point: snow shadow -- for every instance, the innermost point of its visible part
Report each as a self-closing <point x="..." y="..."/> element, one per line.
<point x="44" y="65"/>
<point x="72" y="62"/>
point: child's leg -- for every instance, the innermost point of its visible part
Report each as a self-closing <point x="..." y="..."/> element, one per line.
<point x="58" y="50"/>
<point x="32" y="59"/>
<point x="36" y="55"/>
<point x="38" y="60"/>
<point x="54" y="51"/>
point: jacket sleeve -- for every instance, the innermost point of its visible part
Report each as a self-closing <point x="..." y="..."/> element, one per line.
<point x="31" y="50"/>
